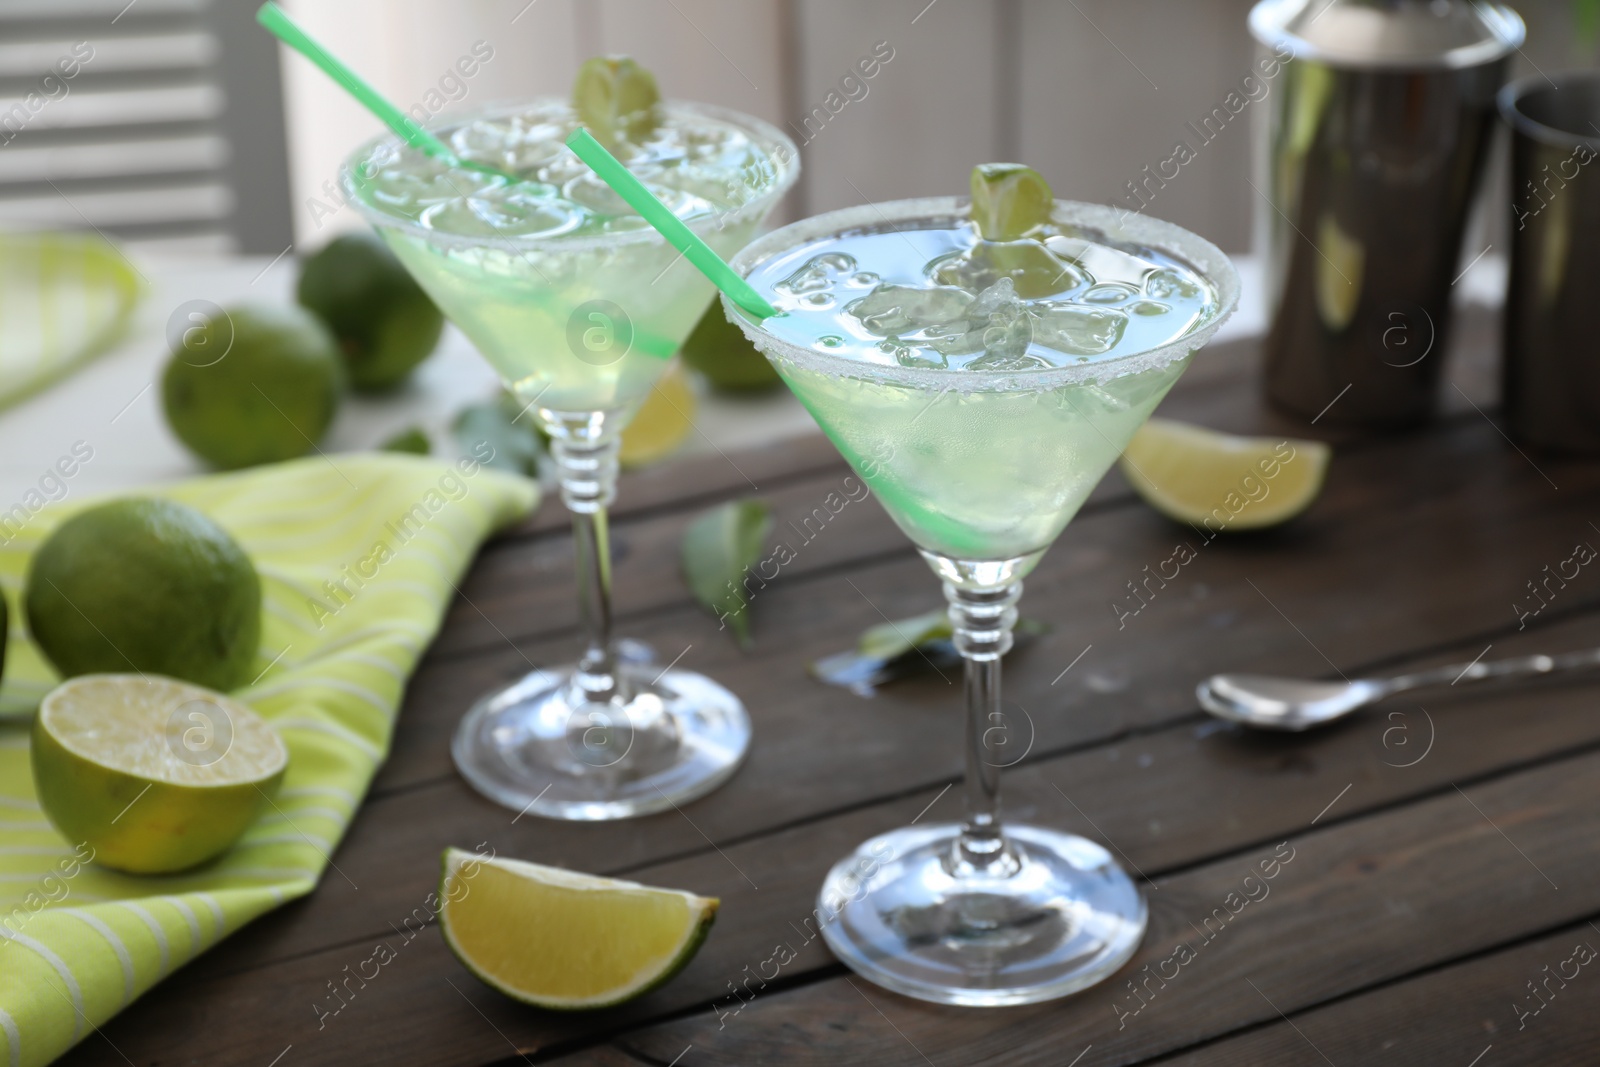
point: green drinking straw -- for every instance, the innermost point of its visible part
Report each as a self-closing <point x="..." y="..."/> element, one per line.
<point x="696" y="251"/>
<point x="278" y="22"/>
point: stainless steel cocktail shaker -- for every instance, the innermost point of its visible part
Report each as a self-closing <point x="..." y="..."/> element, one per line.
<point x="1368" y="158"/>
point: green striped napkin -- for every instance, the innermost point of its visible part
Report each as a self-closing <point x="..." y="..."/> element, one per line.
<point x="64" y="299"/>
<point x="357" y="563"/>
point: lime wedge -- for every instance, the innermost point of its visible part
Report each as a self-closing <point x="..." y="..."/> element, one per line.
<point x="616" y="99"/>
<point x="1222" y="482"/>
<point x="156" y="775"/>
<point x="1008" y="200"/>
<point x="664" y="420"/>
<point x="563" y="940"/>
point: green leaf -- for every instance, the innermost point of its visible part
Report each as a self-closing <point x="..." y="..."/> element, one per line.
<point x="718" y="550"/>
<point x="890" y="651"/>
<point x="413" y="440"/>
<point x="516" y="443"/>
<point x="887" y="640"/>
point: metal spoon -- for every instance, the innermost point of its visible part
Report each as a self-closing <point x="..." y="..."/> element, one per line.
<point x="1294" y="704"/>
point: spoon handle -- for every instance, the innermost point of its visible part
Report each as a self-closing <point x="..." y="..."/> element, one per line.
<point x="1505" y="668"/>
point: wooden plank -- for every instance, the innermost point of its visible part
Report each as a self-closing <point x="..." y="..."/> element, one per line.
<point x="1148" y="816"/>
<point x="894" y="751"/>
<point x="888" y="749"/>
<point x="1465" y="1014"/>
<point x="1405" y="888"/>
<point x="1357" y="905"/>
<point x="1242" y="603"/>
<point x="1135" y="792"/>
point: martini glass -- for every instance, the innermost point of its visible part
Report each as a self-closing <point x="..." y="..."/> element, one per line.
<point x="580" y="306"/>
<point x="981" y="390"/>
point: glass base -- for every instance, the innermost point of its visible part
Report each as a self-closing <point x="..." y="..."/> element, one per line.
<point x="1059" y="917"/>
<point x="546" y="746"/>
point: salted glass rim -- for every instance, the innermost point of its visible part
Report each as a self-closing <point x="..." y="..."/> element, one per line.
<point x="773" y="141"/>
<point x="1105" y="225"/>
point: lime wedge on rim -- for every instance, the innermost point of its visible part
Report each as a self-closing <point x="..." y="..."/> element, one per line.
<point x="1008" y="200"/>
<point x="154" y="774"/>
<point x="563" y="940"/>
<point x="616" y="99"/>
<point x="1221" y="481"/>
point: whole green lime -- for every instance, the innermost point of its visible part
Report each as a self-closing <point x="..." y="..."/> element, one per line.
<point x="145" y="585"/>
<point x="269" y="396"/>
<point x="384" y="323"/>
<point x="720" y="350"/>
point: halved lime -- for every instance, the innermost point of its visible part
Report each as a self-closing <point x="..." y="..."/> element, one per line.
<point x="1008" y="200"/>
<point x="156" y="775"/>
<point x="1220" y="481"/>
<point x="616" y="98"/>
<point x="559" y="939"/>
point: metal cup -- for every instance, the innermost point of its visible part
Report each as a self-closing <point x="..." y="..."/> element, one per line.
<point x="1551" y="373"/>
<point x="1367" y="166"/>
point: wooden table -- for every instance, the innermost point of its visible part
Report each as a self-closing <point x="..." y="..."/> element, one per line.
<point x="1443" y="848"/>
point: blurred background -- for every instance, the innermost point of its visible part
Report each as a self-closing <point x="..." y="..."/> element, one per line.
<point x="187" y="132"/>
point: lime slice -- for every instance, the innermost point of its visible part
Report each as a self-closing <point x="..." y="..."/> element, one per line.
<point x="1220" y="481"/>
<point x="616" y="98"/>
<point x="559" y="939"/>
<point x="664" y="420"/>
<point x="1008" y="200"/>
<point x="156" y="775"/>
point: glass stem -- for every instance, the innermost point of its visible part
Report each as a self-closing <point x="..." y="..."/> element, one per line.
<point x="588" y="473"/>
<point x="981" y="619"/>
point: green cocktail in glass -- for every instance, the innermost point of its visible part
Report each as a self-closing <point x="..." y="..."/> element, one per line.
<point x="981" y="388"/>
<point x="580" y="306"/>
